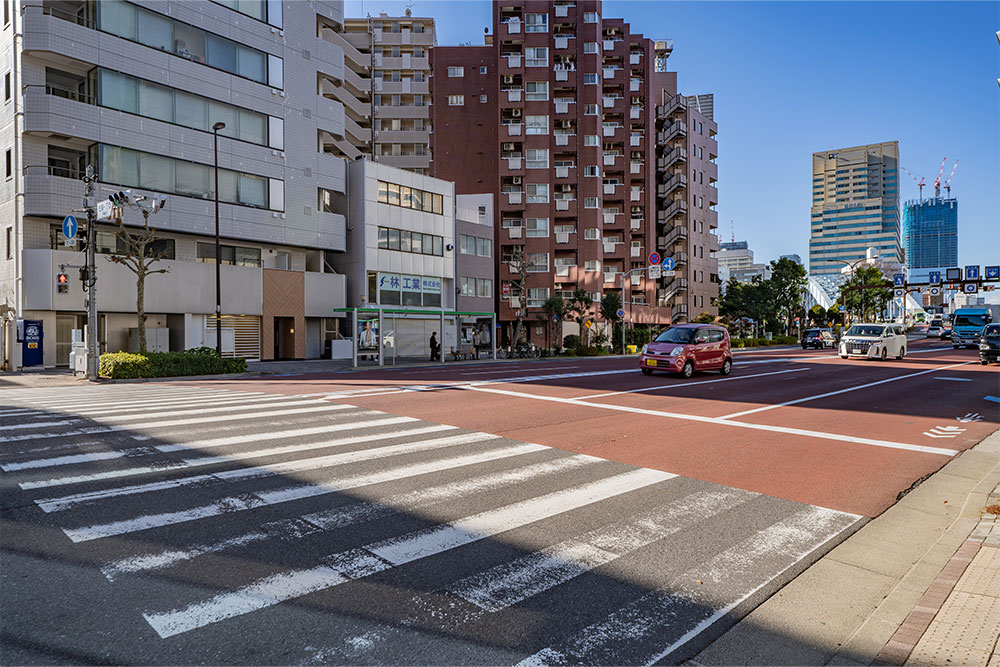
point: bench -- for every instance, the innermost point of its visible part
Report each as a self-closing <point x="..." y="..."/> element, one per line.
<point x="463" y="352"/>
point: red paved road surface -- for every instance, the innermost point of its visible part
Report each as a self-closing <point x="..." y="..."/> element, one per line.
<point x="859" y="449"/>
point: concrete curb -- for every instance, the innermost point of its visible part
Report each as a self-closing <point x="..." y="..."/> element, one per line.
<point x="847" y="607"/>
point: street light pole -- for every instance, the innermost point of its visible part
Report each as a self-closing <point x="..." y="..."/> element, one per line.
<point x="218" y="248"/>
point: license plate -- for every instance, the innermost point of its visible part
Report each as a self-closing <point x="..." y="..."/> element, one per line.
<point x="650" y="362"/>
<point x="856" y="350"/>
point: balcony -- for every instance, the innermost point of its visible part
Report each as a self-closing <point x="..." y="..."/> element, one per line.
<point x="679" y="313"/>
<point x="609" y="130"/>
<point x="609" y="188"/>
<point x="635" y="59"/>
<point x="562" y="107"/>
<point x="609" y="159"/>
<point x="563" y="139"/>
<point x="677" y="181"/>
<point x="635" y="140"/>
<point x="609" y="218"/>
<point x="672" y="289"/>
<point x="562" y="172"/>
<point x="562" y="74"/>
<point x="635" y="224"/>
<point x="680" y="259"/>
<point x="635" y="195"/>
<point x="513" y="60"/>
<point x="515" y="232"/>
<point x="635" y="251"/>
<point x="562" y="11"/>
<point x="513" y="27"/>
<point x="676" y="208"/>
<point x="635" y="113"/>
<point x="609" y="45"/>
<point x="611" y="277"/>
<point x="514" y="95"/>
<point x="514" y="198"/>
<point x="678" y="233"/>
<point x="514" y="163"/>
<point x="563" y="204"/>
<point x="675" y="129"/>
<point x="635" y="278"/>
<point x="514" y="129"/>
<point x="562" y="238"/>
<point x="675" y="105"/>
<point x="609" y="72"/>
<point x="562" y="41"/>
<point x="634" y="85"/>
<point x="672" y="158"/>
<point x="635" y="167"/>
<point x="609" y="101"/>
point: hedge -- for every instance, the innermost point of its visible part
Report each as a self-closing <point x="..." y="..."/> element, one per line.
<point x="764" y="342"/>
<point x="198" y="361"/>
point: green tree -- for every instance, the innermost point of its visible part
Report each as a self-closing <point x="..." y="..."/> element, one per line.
<point x="818" y="315"/>
<point x="578" y="307"/>
<point x="611" y="302"/>
<point x="555" y="308"/>
<point x="833" y="314"/>
<point x="704" y="318"/>
<point x="787" y="284"/>
<point x="867" y="294"/>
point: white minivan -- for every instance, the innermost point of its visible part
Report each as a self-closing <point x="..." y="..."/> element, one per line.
<point x="874" y="341"/>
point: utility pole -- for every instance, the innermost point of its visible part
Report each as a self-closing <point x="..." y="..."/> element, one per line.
<point x="90" y="284"/>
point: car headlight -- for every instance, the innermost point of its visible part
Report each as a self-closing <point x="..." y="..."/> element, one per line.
<point x="645" y="348"/>
<point x="984" y="346"/>
<point x="677" y="351"/>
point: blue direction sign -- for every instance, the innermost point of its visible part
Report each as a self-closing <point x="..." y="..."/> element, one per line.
<point x="70" y="226"/>
<point x="621" y="312"/>
<point x="898" y="280"/>
<point x="654" y="258"/>
<point x="972" y="273"/>
<point x="993" y="272"/>
<point x="934" y="278"/>
<point x="668" y="264"/>
<point x="970" y="288"/>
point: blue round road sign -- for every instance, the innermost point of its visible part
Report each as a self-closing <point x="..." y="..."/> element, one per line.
<point x="668" y="263"/>
<point x="621" y="312"/>
<point x="70" y="226"/>
<point x="654" y="258"/>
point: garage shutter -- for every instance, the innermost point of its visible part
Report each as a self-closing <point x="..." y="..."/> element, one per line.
<point x="246" y="331"/>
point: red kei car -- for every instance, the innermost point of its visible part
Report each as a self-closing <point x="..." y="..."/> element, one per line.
<point x="687" y="348"/>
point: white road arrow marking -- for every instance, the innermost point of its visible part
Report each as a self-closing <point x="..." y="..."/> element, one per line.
<point x="944" y="432"/>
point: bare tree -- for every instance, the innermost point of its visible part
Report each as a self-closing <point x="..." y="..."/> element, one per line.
<point x="138" y="252"/>
<point x="518" y="264"/>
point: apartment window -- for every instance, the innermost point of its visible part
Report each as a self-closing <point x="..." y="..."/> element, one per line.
<point x="699" y="202"/>
<point x="6" y="12"/>
<point x="591" y="202"/>
<point x="699" y="152"/>
<point x="536" y="125"/>
<point x="454" y="72"/>
<point x="6" y="87"/>
<point x="536" y="193"/>
<point x="412" y="242"/>
<point x="591" y="110"/>
<point x="536" y="90"/>
<point x="229" y="254"/>
<point x="592" y="264"/>
<point x="482" y="69"/>
<point x="591" y="140"/>
<point x="418" y="100"/>
<point x="398" y="195"/>
<point x="591" y="17"/>
<point x="591" y="234"/>
<point x="9" y="171"/>
<point x="159" y="32"/>
<point x="699" y="128"/>
<point x="484" y="288"/>
<point x="536" y="23"/>
<point x="590" y="47"/>
<point x="591" y="79"/>
<point x="537" y="227"/>
<point x="537" y="158"/>
<point x="456" y="100"/>
<point x="536" y="56"/>
<point x="397" y="100"/>
<point x="482" y="99"/>
<point x="467" y="244"/>
<point x="9" y="233"/>
<point x="484" y="247"/>
<point x="418" y="52"/>
<point x="592" y="170"/>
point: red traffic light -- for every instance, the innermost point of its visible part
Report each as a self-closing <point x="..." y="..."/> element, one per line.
<point x="62" y="279"/>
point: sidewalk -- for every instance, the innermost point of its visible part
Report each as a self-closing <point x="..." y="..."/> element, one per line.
<point x="919" y="584"/>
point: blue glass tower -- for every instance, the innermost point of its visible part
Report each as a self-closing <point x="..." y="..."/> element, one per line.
<point x="930" y="233"/>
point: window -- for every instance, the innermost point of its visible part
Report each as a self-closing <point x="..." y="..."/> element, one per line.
<point x="454" y="72"/>
<point x="537" y="227"/>
<point x="536" y="56"/>
<point x="9" y="172"/>
<point x="484" y="288"/>
<point x="6" y="13"/>
<point x="484" y="247"/>
<point x="590" y="47"/>
<point x="592" y="264"/>
<point x="228" y="254"/>
<point x="467" y="244"/>
<point x="9" y="233"/>
<point x="591" y="140"/>
<point x="456" y="100"/>
<point x="591" y="17"/>
<point x="482" y="99"/>
<point x="536" y="125"/>
<point x="589" y="79"/>
<point x="591" y="110"/>
<point x="536" y="193"/>
<point x="482" y="69"/>
<point x="591" y="234"/>
<point x="699" y="128"/>
<point x="592" y="170"/>
<point x="591" y="202"/>
<point x="536" y="90"/>
<point x="6" y="87"/>
<point x="397" y="195"/>
<point x="537" y="158"/>
<point x="699" y="152"/>
<point x="536" y="23"/>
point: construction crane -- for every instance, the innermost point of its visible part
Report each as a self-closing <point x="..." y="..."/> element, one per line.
<point x="937" y="181"/>
<point x="947" y="184"/>
<point x="918" y="179"/>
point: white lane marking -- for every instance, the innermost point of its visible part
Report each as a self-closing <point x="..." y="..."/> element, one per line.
<point x="178" y="402"/>
<point x="289" y="494"/>
<point x="185" y="464"/>
<point x="115" y="419"/>
<point x="725" y="422"/>
<point x="371" y="559"/>
<point x="354" y="514"/>
<point x="685" y="385"/>
<point x="954" y="379"/>
<point x="841" y="391"/>
<point x="264" y="470"/>
<point x="510" y="583"/>
<point x="141" y="399"/>
<point x="518" y="370"/>
<point x="723" y="583"/>
<point x="944" y="432"/>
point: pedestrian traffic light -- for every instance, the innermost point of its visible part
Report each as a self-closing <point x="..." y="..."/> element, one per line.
<point x="62" y="283"/>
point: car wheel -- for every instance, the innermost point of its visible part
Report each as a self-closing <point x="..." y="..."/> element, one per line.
<point x="984" y="362"/>
<point x="902" y="352"/>
<point x="885" y="354"/>
<point x="646" y="371"/>
<point x="727" y="367"/>
<point x="688" y="370"/>
<point x="804" y="346"/>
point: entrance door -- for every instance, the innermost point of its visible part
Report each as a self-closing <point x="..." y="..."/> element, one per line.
<point x="65" y="323"/>
<point x="284" y="337"/>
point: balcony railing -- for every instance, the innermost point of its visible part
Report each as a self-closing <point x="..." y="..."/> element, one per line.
<point x="671" y="158"/>
<point x="677" y="181"/>
<point x="677" y="128"/>
<point x="676" y="104"/>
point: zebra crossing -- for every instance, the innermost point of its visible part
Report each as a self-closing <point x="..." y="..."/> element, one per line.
<point x="203" y="515"/>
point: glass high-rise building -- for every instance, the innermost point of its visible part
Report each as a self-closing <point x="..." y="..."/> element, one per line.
<point x="855" y="206"/>
<point x="930" y="233"/>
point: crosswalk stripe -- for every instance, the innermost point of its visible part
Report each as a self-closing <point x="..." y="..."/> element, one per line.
<point x="708" y="592"/>
<point x="358" y="563"/>
<point x="133" y="399"/>
<point x="26" y="427"/>
<point x="185" y="464"/>
<point x="288" y="494"/>
<point x="117" y="418"/>
<point x="178" y="403"/>
<point x="356" y="513"/>
<point x="263" y="470"/>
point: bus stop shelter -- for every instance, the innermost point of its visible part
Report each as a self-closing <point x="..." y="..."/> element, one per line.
<point x="388" y="334"/>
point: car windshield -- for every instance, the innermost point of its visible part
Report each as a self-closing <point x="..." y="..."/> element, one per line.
<point x="969" y="321"/>
<point x="992" y="330"/>
<point x="861" y="330"/>
<point x="812" y="333"/>
<point x="676" y="335"/>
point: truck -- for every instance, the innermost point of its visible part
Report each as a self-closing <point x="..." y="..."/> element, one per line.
<point x="967" y="323"/>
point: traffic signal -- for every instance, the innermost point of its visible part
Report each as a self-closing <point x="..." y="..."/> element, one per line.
<point x="119" y="198"/>
<point x="84" y="274"/>
<point x="62" y="283"/>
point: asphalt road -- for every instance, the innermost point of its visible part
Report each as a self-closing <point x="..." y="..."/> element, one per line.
<point x="551" y="512"/>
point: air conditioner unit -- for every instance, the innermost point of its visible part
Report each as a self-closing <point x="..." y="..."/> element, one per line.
<point x="508" y="145"/>
<point x="508" y="78"/>
<point x="517" y="180"/>
<point x="516" y="113"/>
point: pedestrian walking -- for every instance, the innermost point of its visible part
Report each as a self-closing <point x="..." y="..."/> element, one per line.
<point x="435" y="348"/>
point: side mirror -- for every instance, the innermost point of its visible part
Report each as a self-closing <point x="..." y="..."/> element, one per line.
<point x="700" y="339"/>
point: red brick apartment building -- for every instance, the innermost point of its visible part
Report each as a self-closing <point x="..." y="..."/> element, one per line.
<point x="573" y="123"/>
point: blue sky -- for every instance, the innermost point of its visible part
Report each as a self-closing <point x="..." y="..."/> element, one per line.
<point x="792" y="78"/>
